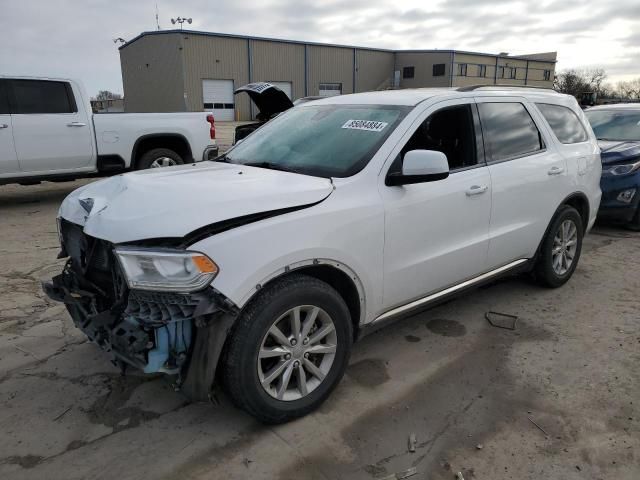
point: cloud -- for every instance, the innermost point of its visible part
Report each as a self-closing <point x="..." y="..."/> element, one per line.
<point x="75" y="38"/>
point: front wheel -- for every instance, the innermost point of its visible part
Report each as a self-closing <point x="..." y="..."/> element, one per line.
<point x="288" y="350"/>
<point x="560" y="249"/>
<point x="635" y="222"/>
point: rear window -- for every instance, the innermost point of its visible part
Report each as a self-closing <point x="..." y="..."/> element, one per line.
<point x="565" y="123"/>
<point x="508" y="130"/>
<point x="320" y="140"/>
<point x="42" y="96"/>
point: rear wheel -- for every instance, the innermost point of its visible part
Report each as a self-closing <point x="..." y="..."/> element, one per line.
<point x="560" y="249"/>
<point x="157" y="158"/>
<point x="288" y="350"/>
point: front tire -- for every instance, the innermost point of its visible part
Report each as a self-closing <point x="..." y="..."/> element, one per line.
<point x="159" y="157"/>
<point x="634" y="225"/>
<point x="560" y="250"/>
<point x="288" y="350"/>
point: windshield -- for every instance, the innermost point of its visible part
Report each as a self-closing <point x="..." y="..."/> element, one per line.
<point x="615" y="124"/>
<point x="320" y="140"/>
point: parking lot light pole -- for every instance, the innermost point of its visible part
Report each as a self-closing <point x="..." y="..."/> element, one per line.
<point x="181" y="21"/>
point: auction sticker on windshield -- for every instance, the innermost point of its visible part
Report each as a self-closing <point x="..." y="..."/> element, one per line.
<point x="369" y="125"/>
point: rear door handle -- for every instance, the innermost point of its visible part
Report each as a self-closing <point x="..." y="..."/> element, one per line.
<point x="4" y="125"/>
<point x="476" y="190"/>
<point x="76" y="124"/>
<point x="555" y="171"/>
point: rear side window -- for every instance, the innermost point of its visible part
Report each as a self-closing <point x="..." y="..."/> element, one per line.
<point x="509" y="131"/>
<point x="42" y="96"/>
<point x="4" y="101"/>
<point x="565" y="124"/>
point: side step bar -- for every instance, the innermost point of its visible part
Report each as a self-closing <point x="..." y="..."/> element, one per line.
<point x="448" y="291"/>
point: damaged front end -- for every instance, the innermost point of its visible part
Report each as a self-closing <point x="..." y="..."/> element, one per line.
<point x="152" y="331"/>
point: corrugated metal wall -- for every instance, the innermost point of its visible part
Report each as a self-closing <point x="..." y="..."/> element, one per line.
<point x="163" y="71"/>
<point x="152" y="74"/>
<point x="279" y="62"/>
<point x="329" y="65"/>
<point x="215" y="58"/>
<point x="374" y="70"/>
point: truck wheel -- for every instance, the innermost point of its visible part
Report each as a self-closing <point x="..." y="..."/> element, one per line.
<point x="560" y="249"/>
<point x="159" y="157"/>
<point x="288" y="349"/>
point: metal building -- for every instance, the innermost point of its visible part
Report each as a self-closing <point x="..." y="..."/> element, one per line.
<point x="182" y="70"/>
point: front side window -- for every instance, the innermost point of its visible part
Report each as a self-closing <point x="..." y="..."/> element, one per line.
<point x="509" y="131"/>
<point x="512" y="72"/>
<point x="500" y="72"/>
<point x="450" y="131"/>
<point x="547" y="75"/>
<point x="438" y="69"/>
<point x="42" y="96"/>
<point x="462" y="69"/>
<point x="482" y="70"/>
<point x="320" y="140"/>
<point x="408" y="72"/>
<point x="565" y="124"/>
<point x="615" y="125"/>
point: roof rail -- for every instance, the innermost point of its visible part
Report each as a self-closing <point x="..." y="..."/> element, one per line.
<point x="470" y="88"/>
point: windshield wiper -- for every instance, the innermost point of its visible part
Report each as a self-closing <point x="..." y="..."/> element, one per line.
<point x="272" y="166"/>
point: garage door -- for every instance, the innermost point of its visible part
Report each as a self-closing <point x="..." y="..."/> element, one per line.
<point x="217" y="96"/>
<point x="285" y="87"/>
<point x="330" y="89"/>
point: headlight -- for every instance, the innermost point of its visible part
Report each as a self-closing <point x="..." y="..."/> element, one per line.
<point x="622" y="169"/>
<point x="166" y="270"/>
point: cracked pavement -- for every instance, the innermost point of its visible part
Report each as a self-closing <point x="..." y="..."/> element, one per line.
<point x="469" y="392"/>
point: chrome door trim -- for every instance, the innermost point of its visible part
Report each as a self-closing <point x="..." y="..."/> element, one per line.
<point x="435" y="296"/>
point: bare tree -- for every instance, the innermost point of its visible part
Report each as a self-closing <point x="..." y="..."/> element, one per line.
<point x="578" y="81"/>
<point x="107" y="95"/>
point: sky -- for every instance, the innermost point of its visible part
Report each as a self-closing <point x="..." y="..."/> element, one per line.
<point x="74" y="38"/>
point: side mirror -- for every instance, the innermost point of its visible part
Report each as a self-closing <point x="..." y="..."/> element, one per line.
<point x="420" y="166"/>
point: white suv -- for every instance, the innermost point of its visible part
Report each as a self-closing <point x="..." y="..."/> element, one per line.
<point x="259" y="270"/>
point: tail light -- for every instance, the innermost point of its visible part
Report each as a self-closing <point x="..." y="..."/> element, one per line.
<point x="212" y="130"/>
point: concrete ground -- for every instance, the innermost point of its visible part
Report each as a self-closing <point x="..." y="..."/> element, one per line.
<point x="557" y="398"/>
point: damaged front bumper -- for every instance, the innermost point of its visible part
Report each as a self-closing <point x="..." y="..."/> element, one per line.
<point x="152" y="331"/>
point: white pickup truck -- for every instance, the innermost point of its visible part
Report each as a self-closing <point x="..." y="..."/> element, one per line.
<point x="48" y="132"/>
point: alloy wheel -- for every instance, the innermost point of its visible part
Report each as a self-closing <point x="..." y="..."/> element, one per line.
<point x="163" y="162"/>
<point x="565" y="244"/>
<point x="297" y="353"/>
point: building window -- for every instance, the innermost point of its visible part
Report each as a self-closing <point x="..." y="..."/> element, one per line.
<point x="408" y="72"/>
<point x="462" y="69"/>
<point x="512" y="72"/>
<point x="500" y="72"/>
<point x="330" y="89"/>
<point x="438" y="70"/>
<point x="482" y="70"/>
<point x="547" y="75"/>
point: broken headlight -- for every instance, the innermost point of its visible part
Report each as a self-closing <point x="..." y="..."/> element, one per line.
<point x="166" y="270"/>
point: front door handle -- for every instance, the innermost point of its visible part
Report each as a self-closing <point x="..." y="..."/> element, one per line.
<point x="76" y="124"/>
<point x="476" y="190"/>
<point x="4" y="125"/>
<point x="555" y="171"/>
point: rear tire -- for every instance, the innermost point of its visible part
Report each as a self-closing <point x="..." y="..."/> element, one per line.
<point x="265" y="339"/>
<point x="159" y="157"/>
<point x="560" y="250"/>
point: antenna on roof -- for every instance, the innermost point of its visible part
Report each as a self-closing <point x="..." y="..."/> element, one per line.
<point x="157" y="21"/>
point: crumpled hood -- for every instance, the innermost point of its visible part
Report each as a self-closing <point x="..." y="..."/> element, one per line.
<point x="616" y="151"/>
<point x="174" y="201"/>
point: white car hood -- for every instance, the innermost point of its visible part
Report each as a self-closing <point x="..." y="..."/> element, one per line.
<point x="174" y="201"/>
